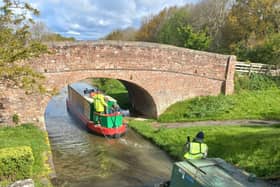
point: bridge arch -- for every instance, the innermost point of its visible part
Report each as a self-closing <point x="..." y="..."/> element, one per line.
<point x="160" y="74"/>
<point x="141" y="101"/>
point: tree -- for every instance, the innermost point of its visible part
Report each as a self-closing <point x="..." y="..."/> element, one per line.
<point x="115" y="35"/>
<point x="40" y="32"/>
<point x="251" y="21"/>
<point x="176" y="31"/>
<point x="55" y="37"/>
<point x="194" y="40"/>
<point x="151" y="26"/>
<point x="127" y="34"/>
<point x="210" y="15"/>
<point x="267" y="53"/>
<point x="16" y="44"/>
<point x="169" y="32"/>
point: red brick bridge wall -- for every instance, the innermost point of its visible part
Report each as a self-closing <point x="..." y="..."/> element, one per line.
<point x="155" y="75"/>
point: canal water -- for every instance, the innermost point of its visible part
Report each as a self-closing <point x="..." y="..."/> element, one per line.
<point x="83" y="159"/>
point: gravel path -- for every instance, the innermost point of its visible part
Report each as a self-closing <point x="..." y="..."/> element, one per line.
<point x="217" y="123"/>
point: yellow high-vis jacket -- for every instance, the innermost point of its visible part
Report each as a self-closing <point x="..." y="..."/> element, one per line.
<point x="196" y="150"/>
<point x="99" y="102"/>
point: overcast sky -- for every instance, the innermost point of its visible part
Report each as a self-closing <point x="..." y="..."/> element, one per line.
<point x="93" y="19"/>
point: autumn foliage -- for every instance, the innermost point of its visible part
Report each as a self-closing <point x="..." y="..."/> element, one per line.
<point x="249" y="29"/>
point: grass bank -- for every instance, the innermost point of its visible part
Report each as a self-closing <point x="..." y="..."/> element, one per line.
<point x="29" y="135"/>
<point x="259" y="104"/>
<point x="255" y="149"/>
<point x="256" y="97"/>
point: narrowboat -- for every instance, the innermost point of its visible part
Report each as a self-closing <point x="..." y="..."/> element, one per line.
<point x="80" y="103"/>
<point x="210" y="172"/>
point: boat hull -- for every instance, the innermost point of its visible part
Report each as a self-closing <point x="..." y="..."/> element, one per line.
<point x="96" y="128"/>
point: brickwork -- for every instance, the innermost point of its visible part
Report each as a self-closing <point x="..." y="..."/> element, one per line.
<point x="156" y="76"/>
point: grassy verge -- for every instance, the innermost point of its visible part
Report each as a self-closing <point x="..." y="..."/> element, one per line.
<point x="260" y="104"/>
<point x="28" y="135"/>
<point x="256" y="97"/>
<point x="255" y="149"/>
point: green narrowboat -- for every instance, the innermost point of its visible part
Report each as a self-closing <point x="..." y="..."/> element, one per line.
<point x="81" y="104"/>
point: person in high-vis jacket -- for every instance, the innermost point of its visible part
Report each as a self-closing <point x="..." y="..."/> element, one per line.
<point x="99" y="102"/>
<point x="196" y="149"/>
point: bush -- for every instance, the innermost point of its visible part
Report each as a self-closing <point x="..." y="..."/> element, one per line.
<point x="16" y="163"/>
<point x="267" y="53"/>
<point x="194" y="40"/>
<point x="255" y="82"/>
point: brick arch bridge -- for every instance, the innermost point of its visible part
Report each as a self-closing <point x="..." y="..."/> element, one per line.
<point x="155" y="75"/>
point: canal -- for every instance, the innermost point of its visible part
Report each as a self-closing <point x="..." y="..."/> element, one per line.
<point x="83" y="159"/>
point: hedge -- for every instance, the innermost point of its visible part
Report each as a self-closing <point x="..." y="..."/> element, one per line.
<point x="16" y="163"/>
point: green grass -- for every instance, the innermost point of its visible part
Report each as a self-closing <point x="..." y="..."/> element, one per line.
<point x="28" y="135"/>
<point x="255" y="149"/>
<point x="260" y="104"/>
<point x="256" y="97"/>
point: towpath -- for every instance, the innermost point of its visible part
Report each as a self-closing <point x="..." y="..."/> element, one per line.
<point x="217" y="123"/>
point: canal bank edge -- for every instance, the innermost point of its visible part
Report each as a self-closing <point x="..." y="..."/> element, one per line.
<point x="48" y="162"/>
<point x="49" y="158"/>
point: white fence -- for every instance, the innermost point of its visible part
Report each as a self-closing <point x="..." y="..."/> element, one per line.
<point x="243" y="67"/>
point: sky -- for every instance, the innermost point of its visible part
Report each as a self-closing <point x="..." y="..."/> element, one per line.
<point x="94" y="19"/>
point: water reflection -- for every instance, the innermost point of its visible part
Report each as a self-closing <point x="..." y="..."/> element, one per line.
<point x="84" y="159"/>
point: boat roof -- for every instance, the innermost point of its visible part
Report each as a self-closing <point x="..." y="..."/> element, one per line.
<point x="217" y="172"/>
<point x="81" y="86"/>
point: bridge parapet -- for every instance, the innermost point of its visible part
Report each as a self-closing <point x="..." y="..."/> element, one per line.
<point x="108" y="55"/>
<point x="155" y="75"/>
